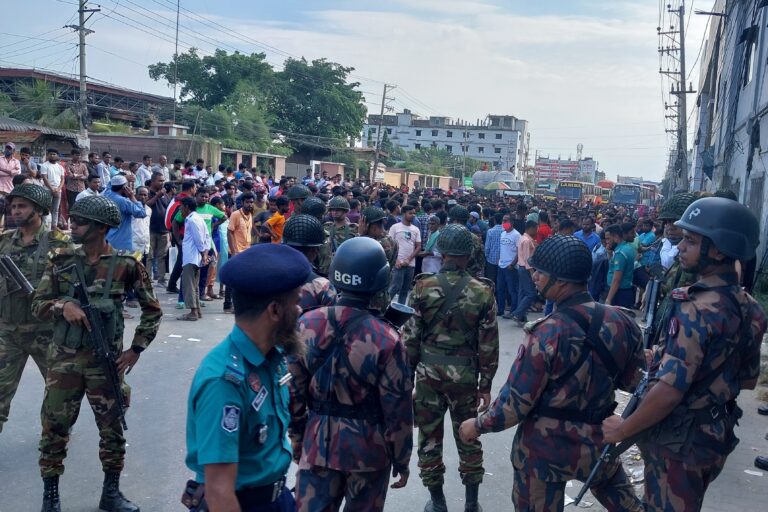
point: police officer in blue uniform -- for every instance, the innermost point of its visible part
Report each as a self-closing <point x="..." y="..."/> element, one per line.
<point x="238" y="414"/>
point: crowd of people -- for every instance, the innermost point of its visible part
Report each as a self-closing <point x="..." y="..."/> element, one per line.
<point x="363" y="309"/>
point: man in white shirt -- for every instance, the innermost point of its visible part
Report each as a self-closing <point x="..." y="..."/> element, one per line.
<point x="668" y="252"/>
<point x="162" y="167"/>
<point x="408" y="238"/>
<point x="52" y="174"/>
<point x="93" y="187"/>
<point x="506" y="278"/>
<point x="144" y="172"/>
<point x="195" y="247"/>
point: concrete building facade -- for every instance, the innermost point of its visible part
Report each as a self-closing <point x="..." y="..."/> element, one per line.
<point x="499" y="140"/>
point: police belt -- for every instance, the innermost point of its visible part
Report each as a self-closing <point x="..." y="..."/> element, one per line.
<point x="447" y="360"/>
<point x="368" y="410"/>
<point x="590" y="416"/>
<point x="261" y="495"/>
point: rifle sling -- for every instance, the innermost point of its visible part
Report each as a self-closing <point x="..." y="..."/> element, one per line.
<point x="42" y="249"/>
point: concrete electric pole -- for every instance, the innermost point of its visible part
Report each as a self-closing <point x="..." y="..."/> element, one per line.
<point x="384" y="99"/>
<point x="83" y="98"/>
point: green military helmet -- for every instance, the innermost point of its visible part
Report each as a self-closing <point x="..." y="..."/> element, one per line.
<point x="338" y="203"/>
<point x="675" y="207"/>
<point x="564" y="258"/>
<point x="303" y="231"/>
<point x="730" y="225"/>
<point x="38" y="195"/>
<point x="373" y="214"/>
<point x="459" y="214"/>
<point x="298" y="192"/>
<point x="313" y="206"/>
<point x="455" y="240"/>
<point x="98" y="209"/>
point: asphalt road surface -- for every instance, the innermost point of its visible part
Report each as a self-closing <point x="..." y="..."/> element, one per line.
<point x="155" y="470"/>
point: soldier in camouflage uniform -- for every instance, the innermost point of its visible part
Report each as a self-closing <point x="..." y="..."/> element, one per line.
<point x="305" y="234"/>
<point x="340" y="229"/>
<point x="372" y="226"/>
<point x="315" y="207"/>
<point x="561" y="387"/>
<point x="351" y="406"/>
<point x="710" y="352"/>
<point x="21" y="335"/>
<point x="453" y="349"/>
<point x="476" y="266"/>
<point x="74" y="370"/>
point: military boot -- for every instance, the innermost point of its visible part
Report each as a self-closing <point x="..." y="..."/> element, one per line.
<point x="471" y="504"/>
<point x="112" y="500"/>
<point x="436" y="501"/>
<point x="51" y="502"/>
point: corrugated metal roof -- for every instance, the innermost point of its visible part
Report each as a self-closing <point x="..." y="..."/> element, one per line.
<point x="14" y="125"/>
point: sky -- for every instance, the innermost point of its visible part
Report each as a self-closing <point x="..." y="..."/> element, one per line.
<point x="579" y="71"/>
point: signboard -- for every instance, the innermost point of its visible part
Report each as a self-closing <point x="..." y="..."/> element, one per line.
<point x="468" y="182"/>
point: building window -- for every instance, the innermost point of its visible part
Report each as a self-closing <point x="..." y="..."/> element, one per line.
<point x="371" y="130"/>
<point x="497" y="151"/>
<point x="498" y="136"/>
<point x="434" y="133"/>
<point x="417" y="146"/>
<point x="481" y="135"/>
<point x="449" y="148"/>
<point x="449" y="133"/>
<point x="481" y="149"/>
<point x="389" y="131"/>
<point x="466" y="135"/>
<point x="418" y="133"/>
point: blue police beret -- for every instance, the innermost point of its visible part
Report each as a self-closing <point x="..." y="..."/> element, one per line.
<point x="266" y="270"/>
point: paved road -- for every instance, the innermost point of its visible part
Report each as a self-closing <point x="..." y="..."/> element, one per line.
<point x="155" y="470"/>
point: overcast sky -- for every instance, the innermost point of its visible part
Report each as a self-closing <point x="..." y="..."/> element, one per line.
<point x="580" y="71"/>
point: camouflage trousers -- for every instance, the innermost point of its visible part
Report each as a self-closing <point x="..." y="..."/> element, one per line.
<point x="611" y="488"/>
<point x="16" y="346"/>
<point x="673" y="485"/>
<point x="73" y="373"/>
<point x="322" y="490"/>
<point x="433" y="398"/>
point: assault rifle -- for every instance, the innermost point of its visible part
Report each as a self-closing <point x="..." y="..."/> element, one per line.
<point x="100" y="343"/>
<point x="612" y="451"/>
<point x="14" y="279"/>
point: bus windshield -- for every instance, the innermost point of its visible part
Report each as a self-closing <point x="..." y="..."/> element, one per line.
<point x="626" y="195"/>
<point x="569" y="193"/>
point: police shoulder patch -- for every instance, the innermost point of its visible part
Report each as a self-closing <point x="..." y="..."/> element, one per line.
<point x="681" y="294"/>
<point x="230" y="418"/>
<point x="129" y="254"/>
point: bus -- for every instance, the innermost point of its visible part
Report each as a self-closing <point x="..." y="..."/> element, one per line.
<point x="605" y="195"/>
<point x="628" y="194"/>
<point x="576" y="191"/>
<point x="516" y="189"/>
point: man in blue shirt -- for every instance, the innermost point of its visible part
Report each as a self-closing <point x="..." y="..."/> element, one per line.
<point x="587" y="233"/>
<point x="237" y="412"/>
<point x="621" y="268"/>
<point x="492" y="246"/>
<point x="122" y="194"/>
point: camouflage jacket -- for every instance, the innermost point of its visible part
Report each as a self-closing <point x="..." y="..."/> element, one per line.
<point x="318" y="291"/>
<point x="708" y="335"/>
<point x="16" y="307"/>
<point x="476" y="265"/>
<point x="339" y="235"/>
<point x="325" y="255"/>
<point x="674" y="277"/>
<point x="370" y="365"/>
<point x="381" y="299"/>
<point x="476" y="305"/>
<point x="129" y="274"/>
<point x="552" y="449"/>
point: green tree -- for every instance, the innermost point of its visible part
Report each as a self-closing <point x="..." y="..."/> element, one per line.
<point x="36" y="102"/>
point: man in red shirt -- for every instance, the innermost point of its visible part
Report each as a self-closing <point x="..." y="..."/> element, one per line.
<point x="545" y="230"/>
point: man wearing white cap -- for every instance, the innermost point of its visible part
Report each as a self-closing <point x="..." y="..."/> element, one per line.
<point x="9" y="167"/>
<point x="122" y="194"/>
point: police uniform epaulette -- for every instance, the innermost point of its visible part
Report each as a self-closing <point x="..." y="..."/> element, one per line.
<point x="531" y="326"/>
<point x="234" y="371"/>
<point x="129" y="254"/>
<point x="681" y="294"/>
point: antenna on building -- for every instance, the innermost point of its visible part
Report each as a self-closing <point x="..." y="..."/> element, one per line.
<point x="579" y="151"/>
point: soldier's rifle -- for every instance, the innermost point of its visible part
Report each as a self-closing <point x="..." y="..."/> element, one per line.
<point x="13" y="276"/>
<point x="612" y="451"/>
<point x="101" y="345"/>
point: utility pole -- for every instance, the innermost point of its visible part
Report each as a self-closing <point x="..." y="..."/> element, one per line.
<point x="378" y="130"/>
<point x="176" y="60"/>
<point x="83" y="98"/>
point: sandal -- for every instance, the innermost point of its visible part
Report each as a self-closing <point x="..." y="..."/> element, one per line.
<point x="189" y="317"/>
<point x="207" y="298"/>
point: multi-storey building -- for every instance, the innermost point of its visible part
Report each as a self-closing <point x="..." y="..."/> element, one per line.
<point x="554" y="169"/>
<point x="498" y="140"/>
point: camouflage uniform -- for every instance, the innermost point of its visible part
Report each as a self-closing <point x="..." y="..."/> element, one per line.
<point x="382" y="298"/>
<point x="317" y="291"/>
<point x="339" y="235"/>
<point x="548" y="452"/>
<point x="476" y="265"/>
<point x="74" y="370"/>
<point x="21" y="335"/>
<point x="453" y="358"/>
<point x="351" y="410"/>
<point x="711" y="347"/>
<point x="325" y="255"/>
